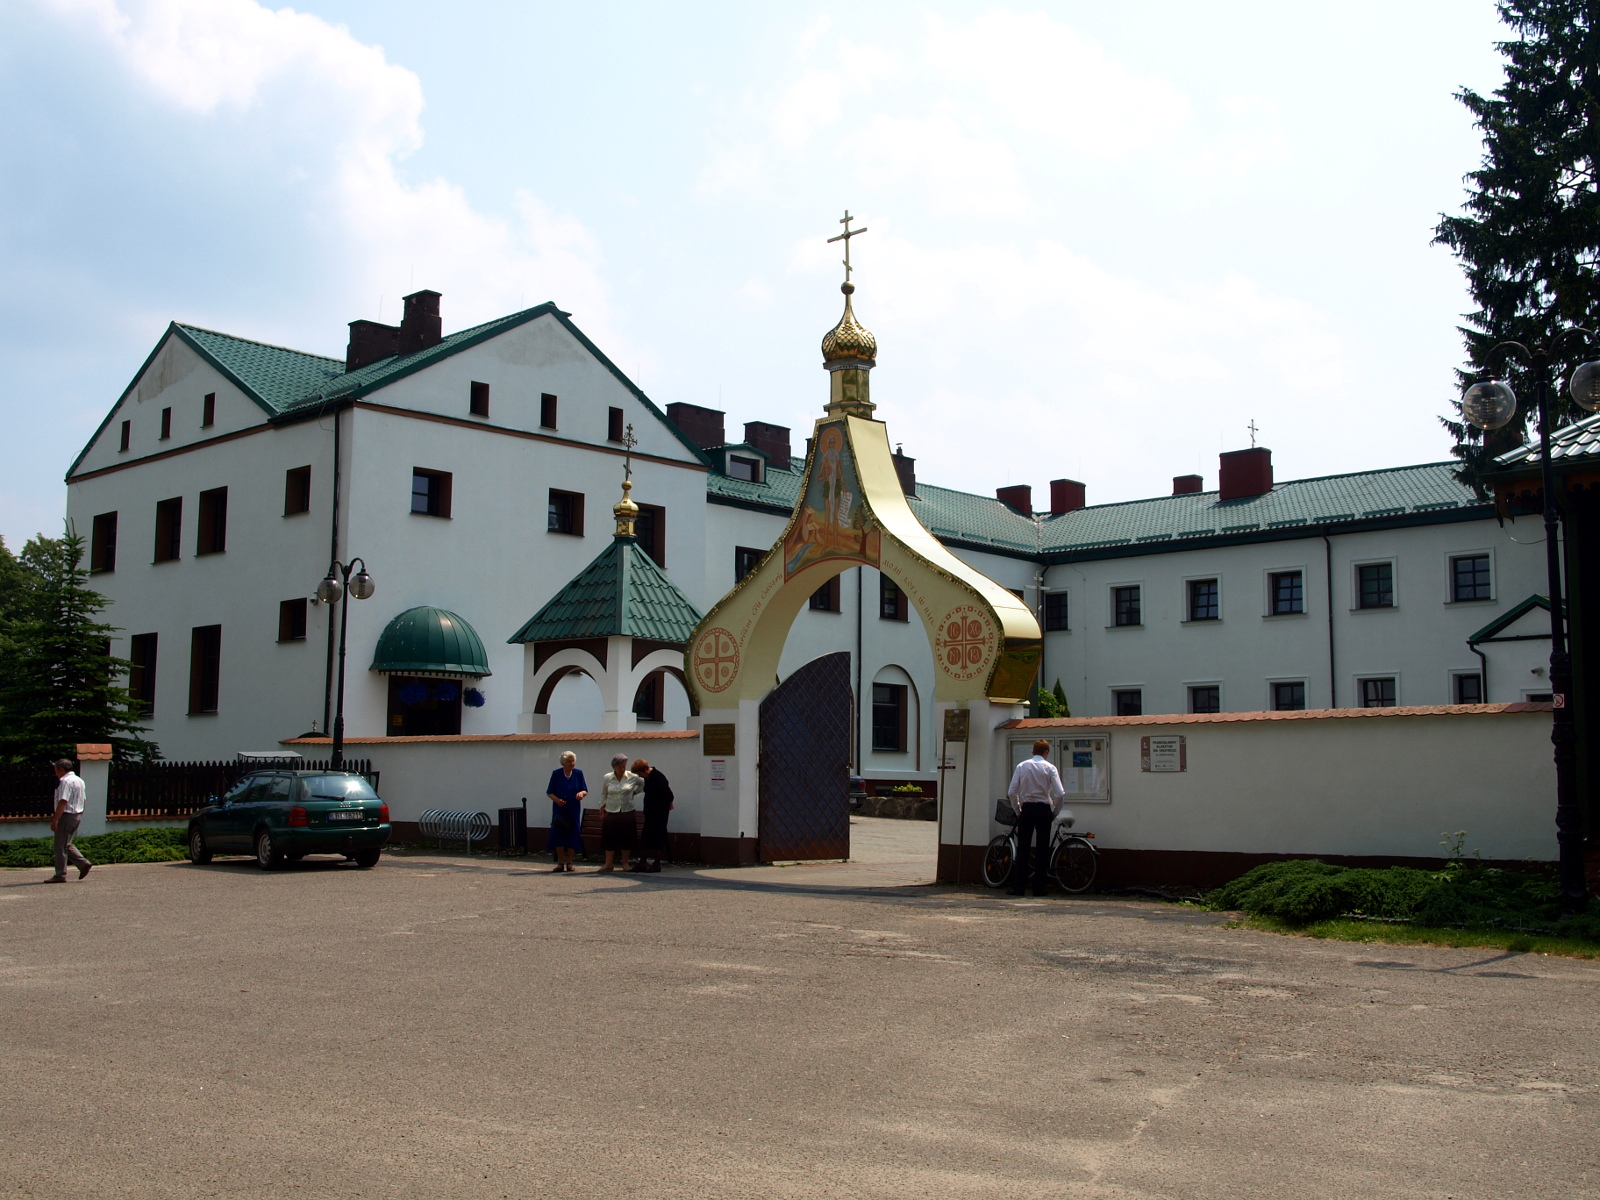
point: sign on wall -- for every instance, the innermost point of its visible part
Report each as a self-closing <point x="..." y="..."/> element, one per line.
<point x="716" y="741"/>
<point x="719" y="774"/>
<point x="1163" y="752"/>
<point x="956" y="723"/>
<point x="1084" y="764"/>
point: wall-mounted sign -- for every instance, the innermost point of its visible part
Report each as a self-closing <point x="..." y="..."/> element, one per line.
<point x="956" y="723"/>
<point x="717" y="741"/>
<point x="1163" y="752"/>
<point x="719" y="774"/>
<point x="1083" y="762"/>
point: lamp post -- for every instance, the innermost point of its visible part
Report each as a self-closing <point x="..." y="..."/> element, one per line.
<point x="332" y="590"/>
<point x="1489" y="404"/>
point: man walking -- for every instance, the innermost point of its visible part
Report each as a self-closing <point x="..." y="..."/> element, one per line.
<point x="1036" y="795"/>
<point x="64" y="821"/>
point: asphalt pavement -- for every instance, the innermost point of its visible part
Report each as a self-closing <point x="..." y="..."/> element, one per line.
<point x="444" y="1027"/>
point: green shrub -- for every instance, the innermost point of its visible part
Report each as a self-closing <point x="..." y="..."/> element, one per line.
<point x="1464" y="893"/>
<point x="149" y="844"/>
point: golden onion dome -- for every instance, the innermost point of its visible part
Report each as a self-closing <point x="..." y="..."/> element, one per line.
<point x="849" y="338"/>
<point x="625" y="511"/>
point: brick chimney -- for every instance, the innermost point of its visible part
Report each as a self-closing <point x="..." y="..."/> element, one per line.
<point x="1066" y="495"/>
<point x="1018" y="496"/>
<point x="906" y="468"/>
<point x="702" y="426"/>
<point x="369" y="342"/>
<point x="771" y="440"/>
<point x="419" y="324"/>
<point x="1245" y="473"/>
<point x="1188" y="485"/>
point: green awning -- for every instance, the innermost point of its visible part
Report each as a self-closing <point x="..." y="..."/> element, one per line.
<point x="430" y="641"/>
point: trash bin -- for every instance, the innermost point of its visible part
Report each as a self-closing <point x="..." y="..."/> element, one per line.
<point x="514" y="828"/>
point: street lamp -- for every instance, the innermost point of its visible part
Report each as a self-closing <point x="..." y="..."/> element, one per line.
<point x="331" y="590"/>
<point x="1489" y="404"/>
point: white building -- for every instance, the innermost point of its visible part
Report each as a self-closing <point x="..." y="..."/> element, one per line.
<point x="474" y="474"/>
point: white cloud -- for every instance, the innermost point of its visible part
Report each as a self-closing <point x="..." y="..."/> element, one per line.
<point x="344" y="118"/>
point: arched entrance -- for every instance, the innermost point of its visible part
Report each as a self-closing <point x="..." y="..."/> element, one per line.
<point x="852" y="510"/>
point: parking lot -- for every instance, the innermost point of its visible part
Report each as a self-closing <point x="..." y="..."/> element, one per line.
<point x="443" y="1027"/>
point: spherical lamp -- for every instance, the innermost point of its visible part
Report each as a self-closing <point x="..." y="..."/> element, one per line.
<point x="1488" y="404"/>
<point x="1585" y="386"/>
<point x="329" y="591"/>
<point x="362" y="587"/>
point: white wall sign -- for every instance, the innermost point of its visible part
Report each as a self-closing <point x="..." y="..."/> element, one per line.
<point x="1163" y="752"/>
<point x="719" y="774"/>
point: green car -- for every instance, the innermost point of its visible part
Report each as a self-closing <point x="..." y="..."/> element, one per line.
<point x="283" y="814"/>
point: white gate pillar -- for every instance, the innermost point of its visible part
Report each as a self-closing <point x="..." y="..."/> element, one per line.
<point x="981" y="766"/>
<point x="730" y="784"/>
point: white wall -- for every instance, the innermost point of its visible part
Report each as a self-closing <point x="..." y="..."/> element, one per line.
<point x="1359" y="784"/>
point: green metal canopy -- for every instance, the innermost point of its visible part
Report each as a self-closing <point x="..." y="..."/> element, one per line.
<point x="430" y="641"/>
<point x="621" y="593"/>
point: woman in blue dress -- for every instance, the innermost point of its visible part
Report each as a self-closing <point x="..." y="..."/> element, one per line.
<point x="566" y="791"/>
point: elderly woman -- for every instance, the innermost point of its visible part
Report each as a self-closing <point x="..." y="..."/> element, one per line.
<point x="566" y="791"/>
<point x="657" y="804"/>
<point x="618" y="826"/>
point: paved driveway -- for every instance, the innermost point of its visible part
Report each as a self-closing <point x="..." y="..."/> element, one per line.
<point x="442" y="1028"/>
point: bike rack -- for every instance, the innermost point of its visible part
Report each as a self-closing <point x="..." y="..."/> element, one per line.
<point x="455" y="825"/>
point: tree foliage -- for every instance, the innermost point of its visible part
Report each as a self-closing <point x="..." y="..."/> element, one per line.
<point x="61" y="685"/>
<point x="1529" y="233"/>
<point x="1052" y="703"/>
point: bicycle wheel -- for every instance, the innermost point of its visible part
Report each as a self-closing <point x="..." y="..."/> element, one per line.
<point x="997" y="861"/>
<point x="1076" y="865"/>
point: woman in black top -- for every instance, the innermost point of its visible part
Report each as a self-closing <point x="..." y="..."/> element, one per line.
<point x="657" y="804"/>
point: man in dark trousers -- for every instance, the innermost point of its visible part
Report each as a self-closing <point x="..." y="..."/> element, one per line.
<point x="65" y="820"/>
<point x="1036" y="795"/>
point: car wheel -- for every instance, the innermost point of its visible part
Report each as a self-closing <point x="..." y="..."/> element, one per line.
<point x="199" y="852"/>
<point x="268" y="856"/>
<point x="367" y="859"/>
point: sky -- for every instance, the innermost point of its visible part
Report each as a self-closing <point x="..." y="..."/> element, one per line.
<point x="1102" y="239"/>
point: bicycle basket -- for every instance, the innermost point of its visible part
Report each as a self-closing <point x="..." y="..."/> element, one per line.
<point x="1004" y="813"/>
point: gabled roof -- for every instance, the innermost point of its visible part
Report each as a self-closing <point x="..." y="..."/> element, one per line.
<point x="1491" y="632"/>
<point x="622" y="593"/>
<point x="1581" y="439"/>
<point x="1396" y="495"/>
<point x="275" y="377"/>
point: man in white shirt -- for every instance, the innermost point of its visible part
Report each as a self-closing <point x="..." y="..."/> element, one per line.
<point x="65" y="820"/>
<point x="1036" y="795"/>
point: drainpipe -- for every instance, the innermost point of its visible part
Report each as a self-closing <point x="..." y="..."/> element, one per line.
<point x="1333" y="676"/>
<point x="333" y="557"/>
<point x="855" y="726"/>
<point x="1484" y="675"/>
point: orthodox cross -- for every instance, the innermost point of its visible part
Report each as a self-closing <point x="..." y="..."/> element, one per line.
<point x="1252" y="427"/>
<point x="845" y="238"/>
<point x="628" y="443"/>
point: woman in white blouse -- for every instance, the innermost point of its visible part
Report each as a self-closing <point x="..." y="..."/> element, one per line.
<point x="619" y="791"/>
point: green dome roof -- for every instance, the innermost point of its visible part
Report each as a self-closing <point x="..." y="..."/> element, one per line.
<point x="430" y="641"/>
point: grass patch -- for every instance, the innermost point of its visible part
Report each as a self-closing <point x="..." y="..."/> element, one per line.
<point x="1351" y="929"/>
<point x="1465" y="898"/>
<point x="149" y="844"/>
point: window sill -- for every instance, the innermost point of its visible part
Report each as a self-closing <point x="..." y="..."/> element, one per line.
<point x="1110" y="628"/>
<point x="1378" y="609"/>
<point x="159" y="562"/>
<point x="304" y="512"/>
<point x="291" y="641"/>
<point x="564" y="532"/>
<point x="890" y="750"/>
<point x="435" y="516"/>
<point x="896" y="620"/>
<point x="1455" y="603"/>
<point x="1202" y="621"/>
<point x="210" y="712"/>
<point x="208" y="553"/>
<point x="1285" y="616"/>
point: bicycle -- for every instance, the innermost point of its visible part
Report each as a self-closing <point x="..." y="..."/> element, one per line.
<point x="1074" y="859"/>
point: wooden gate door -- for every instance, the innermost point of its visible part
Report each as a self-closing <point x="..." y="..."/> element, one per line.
<point x="805" y="763"/>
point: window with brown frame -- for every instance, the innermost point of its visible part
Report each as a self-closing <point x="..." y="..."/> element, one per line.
<point x="166" y="423"/>
<point x="205" y="668"/>
<point x="127" y="436"/>
<point x="650" y="528"/>
<point x="296" y="491"/>
<point x="478" y="399"/>
<point x="615" y="430"/>
<point x="826" y="597"/>
<point x="891" y="600"/>
<point x="169" y="530"/>
<point x="745" y="560"/>
<point x="211" y="534"/>
<point x="889" y="716"/>
<point x="142" y="672"/>
<point x="208" y="410"/>
<point x="430" y="492"/>
<point x="547" y="411"/>
<point x="103" y="544"/>
<point x="649" y="703"/>
<point x="292" y="620"/>
<point x="565" y="513"/>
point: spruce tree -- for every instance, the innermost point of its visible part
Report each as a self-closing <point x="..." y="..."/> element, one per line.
<point x="1529" y="234"/>
<point x="61" y="685"/>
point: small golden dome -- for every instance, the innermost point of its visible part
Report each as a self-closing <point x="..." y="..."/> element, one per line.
<point x="849" y="338"/>
<point x="625" y="511"/>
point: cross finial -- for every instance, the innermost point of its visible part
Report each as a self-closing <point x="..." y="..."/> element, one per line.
<point x="628" y="443"/>
<point x="845" y="238"/>
<point x="1252" y="427"/>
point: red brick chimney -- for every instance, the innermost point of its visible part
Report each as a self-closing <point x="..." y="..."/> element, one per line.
<point x="1066" y="495"/>
<point x="420" y="325"/>
<point x="771" y="440"/>
<point x="906" y="468"/>
<point x="702" y="426"/>
<point x="1245" y="473"/>
<point x="1187" y="485"/>
<point x="369" y="342"/>
<point x="1018" y="496"/>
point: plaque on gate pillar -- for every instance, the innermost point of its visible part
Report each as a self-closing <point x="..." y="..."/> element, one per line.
<point x="716" y="741"/>
<point x="956" y="723"/>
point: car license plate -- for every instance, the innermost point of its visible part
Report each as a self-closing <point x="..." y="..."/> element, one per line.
<point x="347" y="815"/>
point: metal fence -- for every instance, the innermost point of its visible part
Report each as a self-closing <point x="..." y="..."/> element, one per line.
<point x="171" y="790"/>
<point x="27" y="792"/>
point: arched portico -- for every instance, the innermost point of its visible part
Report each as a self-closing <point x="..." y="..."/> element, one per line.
<point x="852" y="511"/>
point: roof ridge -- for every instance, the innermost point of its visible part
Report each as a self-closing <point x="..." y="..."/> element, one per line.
<point x="233" y="337"/>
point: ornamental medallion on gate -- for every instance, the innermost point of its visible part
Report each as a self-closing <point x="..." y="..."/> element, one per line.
<point x="805" y="763"/>
<point x="716" y="659"/>
<point x="964" y="643"/>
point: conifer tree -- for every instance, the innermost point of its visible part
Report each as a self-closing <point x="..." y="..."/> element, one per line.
<point x="1529" y="234"/>
<point x="61" y="685"/>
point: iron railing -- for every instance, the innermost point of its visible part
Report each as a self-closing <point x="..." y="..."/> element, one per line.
<point x="172" y="790"/>
<point x="27" y="792"/>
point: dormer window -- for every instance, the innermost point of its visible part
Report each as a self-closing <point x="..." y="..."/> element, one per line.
<point x="744" y="467"/>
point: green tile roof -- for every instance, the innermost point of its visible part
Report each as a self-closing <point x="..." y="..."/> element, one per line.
<point x="622" y="593"/>
<point x="276" y="377"/>
<point x="1581" y="439"/>
<point x="1399" y="494"/>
